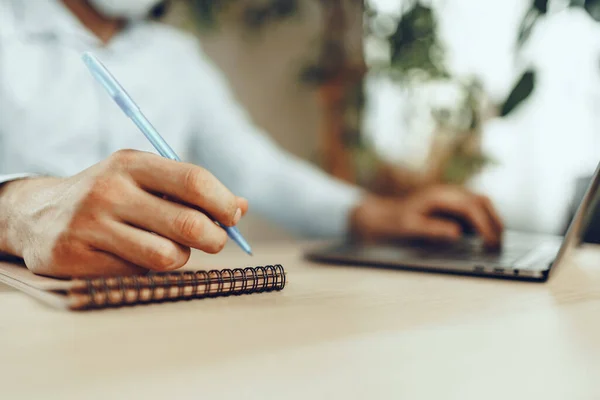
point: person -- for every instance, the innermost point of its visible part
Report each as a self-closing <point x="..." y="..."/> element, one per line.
<point x="73" y="204"/>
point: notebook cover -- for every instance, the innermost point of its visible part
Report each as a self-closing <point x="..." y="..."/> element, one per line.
<point x="83" y="294"/>
<point x="20" y="273"/>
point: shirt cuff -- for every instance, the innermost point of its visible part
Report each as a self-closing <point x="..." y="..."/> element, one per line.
<point x="338" y="217"/>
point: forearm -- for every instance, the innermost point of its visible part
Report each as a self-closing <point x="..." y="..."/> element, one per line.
<point x="309" y="202"/>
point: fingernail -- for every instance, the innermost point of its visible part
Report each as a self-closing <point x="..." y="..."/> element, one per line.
<point x="237" y="216"/>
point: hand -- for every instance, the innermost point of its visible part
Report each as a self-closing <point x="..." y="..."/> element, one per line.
<point x="131" y="213"/>
<point x="392" y="180"/>
<point x="420" y="216"/>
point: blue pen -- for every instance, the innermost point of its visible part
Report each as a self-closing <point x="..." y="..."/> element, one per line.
<point x="126" y="103"/>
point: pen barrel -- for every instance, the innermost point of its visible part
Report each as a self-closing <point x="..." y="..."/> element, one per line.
<point x="153" y="136"/>
<point x="234" y="234"/>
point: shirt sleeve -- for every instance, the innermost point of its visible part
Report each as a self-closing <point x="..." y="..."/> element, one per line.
<point x="13" y="177"/>
<point x="278" y="185"/>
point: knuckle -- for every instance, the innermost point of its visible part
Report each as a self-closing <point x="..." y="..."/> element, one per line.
<point x="197" y="180"/>
<point x="65" y="253"/>
<point x="217" y="244"/>
<point x="189" y="225"/>
<point x="123" y="158"/>
<point x="472" y="205"/>
<point x="163" y="257"/>
<point x="205" y="186"/>
<point x="84" y="222"/>
<point x="105" y="190"/>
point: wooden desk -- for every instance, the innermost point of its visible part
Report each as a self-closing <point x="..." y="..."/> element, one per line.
<point x="334" y="332"/>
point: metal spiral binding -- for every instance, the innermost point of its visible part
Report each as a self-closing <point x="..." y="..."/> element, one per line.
<point x="113" y="292"/>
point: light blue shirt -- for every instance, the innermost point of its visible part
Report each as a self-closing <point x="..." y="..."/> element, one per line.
<point x="56" y="120"/>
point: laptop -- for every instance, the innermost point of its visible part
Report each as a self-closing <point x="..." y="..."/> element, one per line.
<point x="522" y="256"/>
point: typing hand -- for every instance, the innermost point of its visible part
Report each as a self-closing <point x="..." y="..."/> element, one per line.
<point x="424" y="214"/>
<point x="131" y="213"/>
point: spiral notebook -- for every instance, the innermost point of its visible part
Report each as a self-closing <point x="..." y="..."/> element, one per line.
<point x="97" y="293"/>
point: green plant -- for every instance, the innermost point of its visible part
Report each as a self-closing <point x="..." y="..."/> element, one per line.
<point x="408" y="43"/>
<point x="408" y="49"/>
<point x="413" y="43"/>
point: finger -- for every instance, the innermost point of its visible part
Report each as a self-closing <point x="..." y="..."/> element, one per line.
<point x="139" y="247"/>
<point x="173" y="221"/>
<point x="242" y="205"/>
<point x="492" y="213"/>
<point x="102" y="264"/>
<point x="467" y="207"/>
<point x="241" y="202"/>
<point x="435" y="229"/>
<point x="186" y="182"/>
<point x="86" y="262"/>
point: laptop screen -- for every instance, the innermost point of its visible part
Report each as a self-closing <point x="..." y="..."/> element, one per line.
<point x="583" y="218"/>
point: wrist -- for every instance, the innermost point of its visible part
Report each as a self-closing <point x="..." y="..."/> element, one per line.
<point x="16" y="208"/>
<point x="363" y="217"/>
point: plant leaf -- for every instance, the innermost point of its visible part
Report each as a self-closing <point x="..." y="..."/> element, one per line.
<point x="577" y="3"/>
<point x="527" y="26"/>
<point x="593" y="8"/>
<point x="541" y="6"/>
<point x="538" y="8"/>
<point x="207" y="11"/>
<point x="520" y="93"/>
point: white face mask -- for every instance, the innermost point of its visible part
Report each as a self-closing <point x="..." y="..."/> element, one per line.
<point x="127" y="9"/>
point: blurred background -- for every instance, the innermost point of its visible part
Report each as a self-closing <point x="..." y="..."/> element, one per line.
<point x="499" y="96"/>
